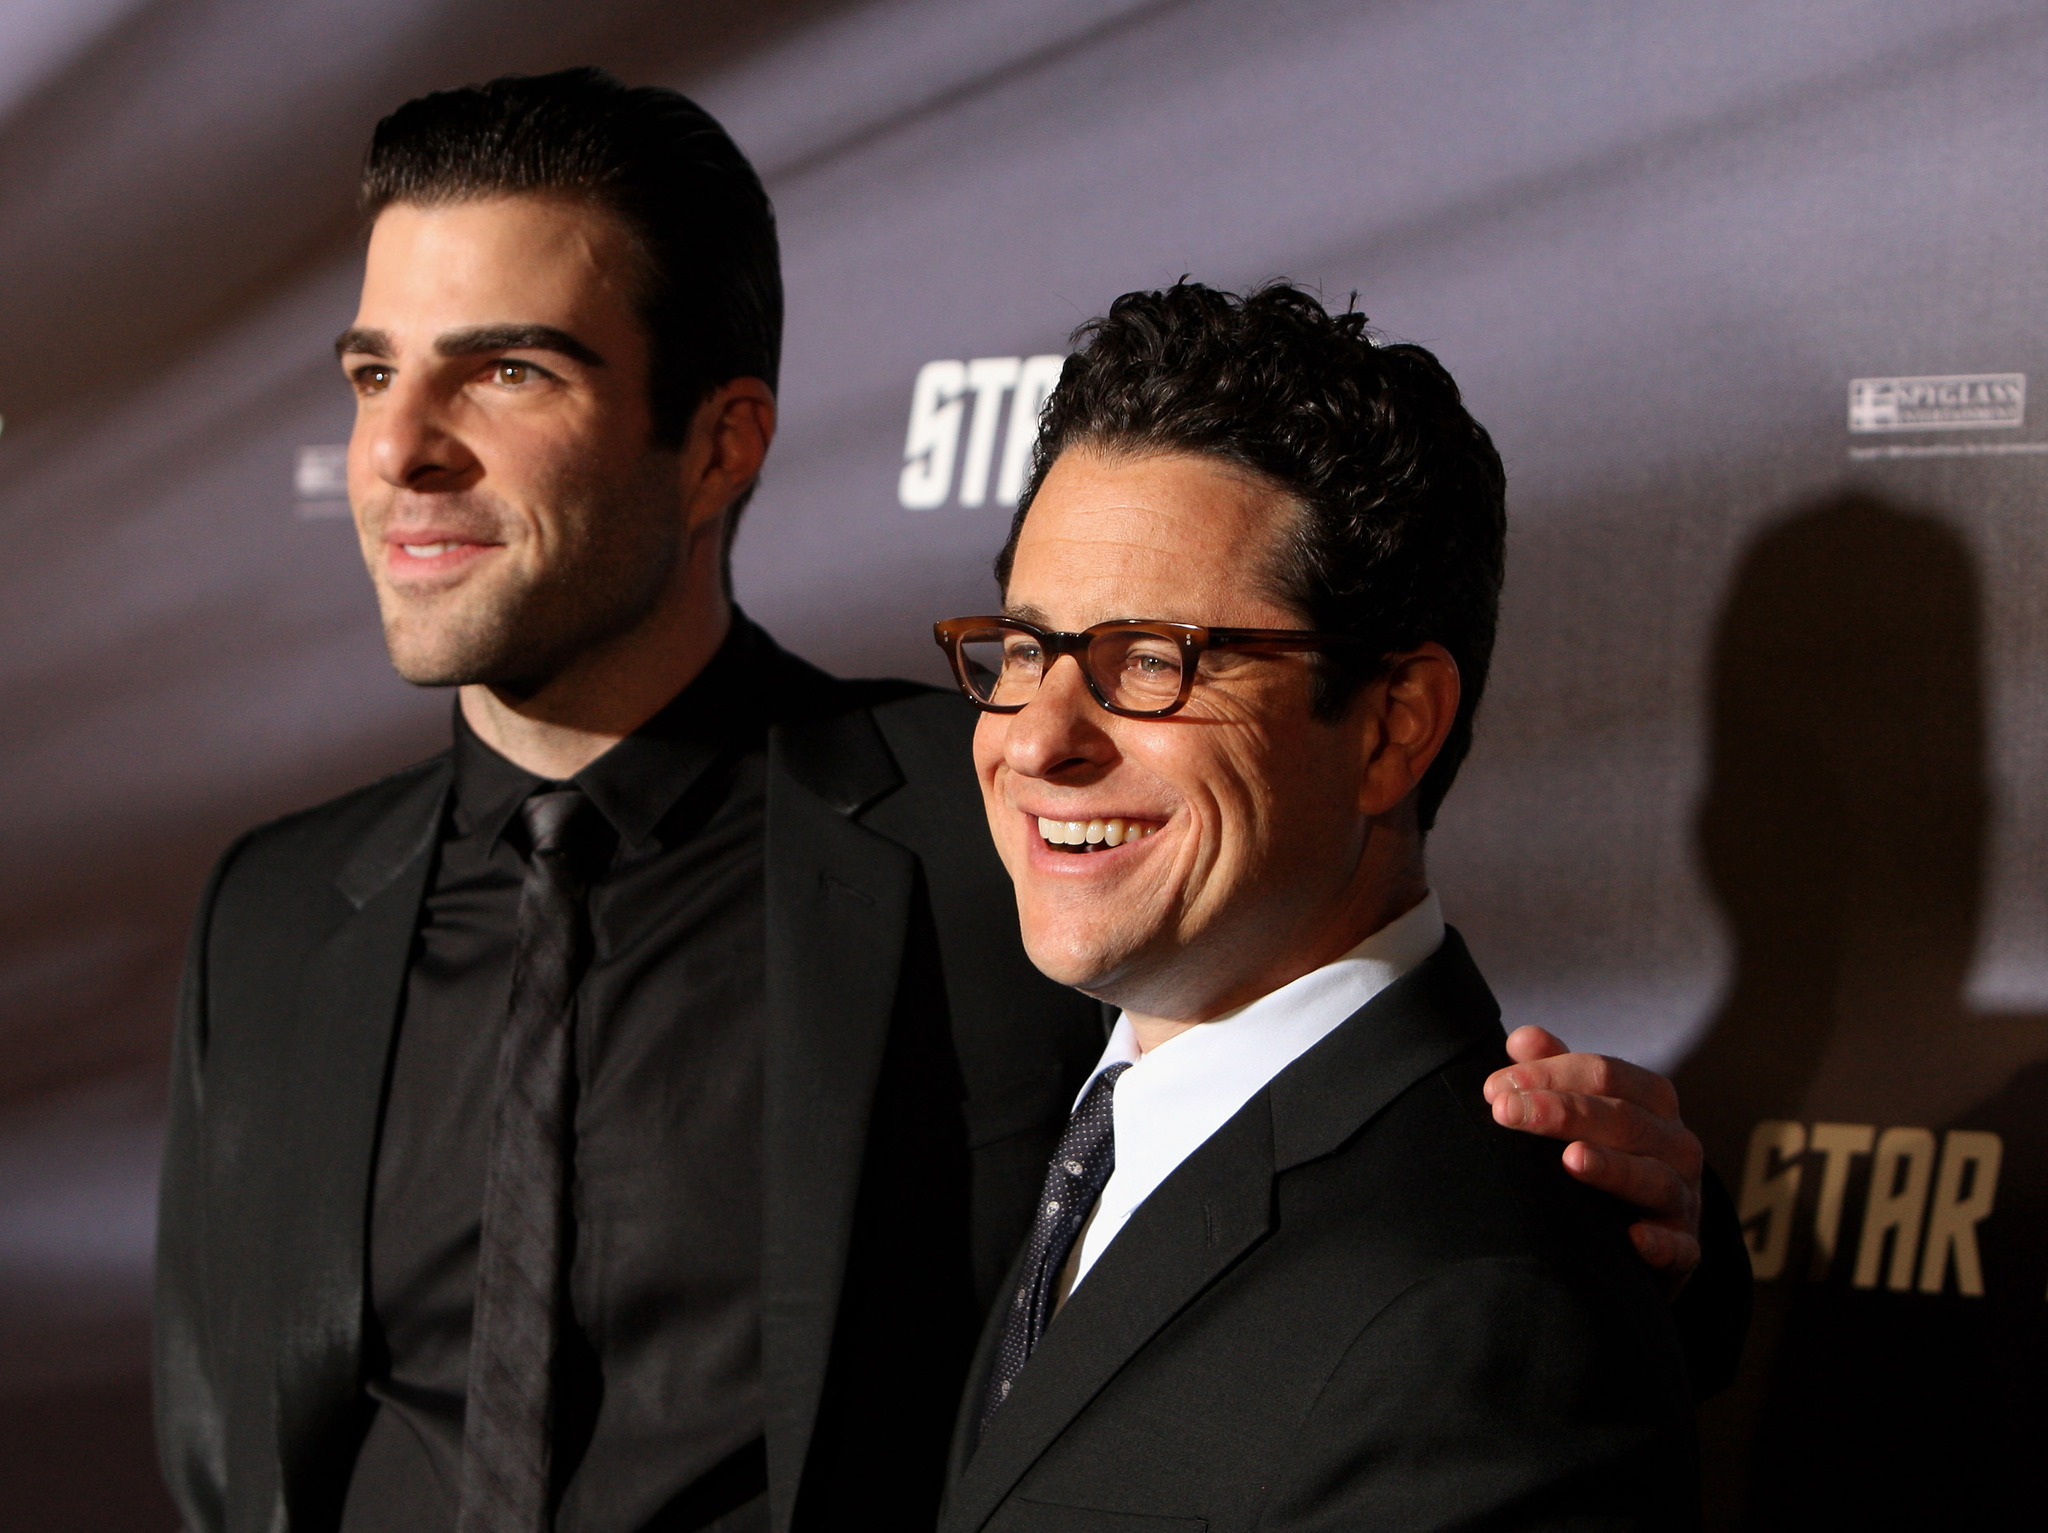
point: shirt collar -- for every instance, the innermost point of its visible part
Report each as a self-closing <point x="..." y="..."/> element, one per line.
<point x="1170" y="1101"/>
<point x="1283" y="1024"/>
<point x="488" y="788"/>
<point x="638" y="781"/>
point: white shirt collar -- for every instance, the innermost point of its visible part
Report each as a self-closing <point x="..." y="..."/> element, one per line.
<point x="1172" y="1099"/>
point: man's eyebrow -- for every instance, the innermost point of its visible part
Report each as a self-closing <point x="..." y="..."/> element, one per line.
<point x="1027" y="613"/>
<point x="461" y="343"/>
<point x="368" y="343"/>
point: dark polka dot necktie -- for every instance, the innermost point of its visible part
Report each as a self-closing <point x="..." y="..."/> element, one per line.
<point x="1080" y="1169"/>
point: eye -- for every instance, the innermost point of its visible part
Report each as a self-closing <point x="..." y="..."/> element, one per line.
<point x="511" y="374"/>
<point x="1149" y="659"/>
<point x="373" y="379"/>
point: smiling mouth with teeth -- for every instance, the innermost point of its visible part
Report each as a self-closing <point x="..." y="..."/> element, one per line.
<point x="1091" y="835"/>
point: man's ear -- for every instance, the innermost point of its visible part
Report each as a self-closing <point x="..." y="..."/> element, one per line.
<point x="1407" y="715"/>
<point x="728" y="442"/>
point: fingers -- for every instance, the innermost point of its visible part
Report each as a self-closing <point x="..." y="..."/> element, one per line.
<point x="1585" y="1074"/>
<point x="1604" y="1122"/>
<point x="1669" y="1239"/>
<point x="1638" y="1180"/>
<point x="1627" y="1138"/>
<point x="1671" y="1252"/>
<point x="1528" y="1043"/>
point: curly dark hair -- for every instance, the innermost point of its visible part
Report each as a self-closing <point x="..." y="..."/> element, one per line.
<point x="1402" y="531"/>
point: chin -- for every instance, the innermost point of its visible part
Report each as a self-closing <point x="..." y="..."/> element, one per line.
<point x="1080" y="957"/>
<point x="430" y="660"/>
<point x="423" y="667"/>
<point x="455" y="649"/>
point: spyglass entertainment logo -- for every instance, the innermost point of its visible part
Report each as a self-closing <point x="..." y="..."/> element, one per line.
<point x="1950" y="402"/>
<point x="956" y="414"/>
<point x="1940" y="402"/>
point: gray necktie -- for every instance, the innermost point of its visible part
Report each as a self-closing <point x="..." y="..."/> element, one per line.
<point x="507" y="1427"/>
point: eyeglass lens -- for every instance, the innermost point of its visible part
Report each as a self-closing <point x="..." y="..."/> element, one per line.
<point x="1131" y="667"/>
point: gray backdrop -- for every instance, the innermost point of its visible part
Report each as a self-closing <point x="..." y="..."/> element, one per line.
<point x="1758" y="794"/>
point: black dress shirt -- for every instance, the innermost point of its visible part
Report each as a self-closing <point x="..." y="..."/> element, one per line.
<point x="658" y="1392"/>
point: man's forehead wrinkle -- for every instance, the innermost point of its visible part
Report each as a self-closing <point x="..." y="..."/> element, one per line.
<point x="361" y="341"/>
<point x="1162" y="522"/>
<point x="1095" y="569"/>
<point x="1160" y="538"/>
<point x="1126" y="502"/>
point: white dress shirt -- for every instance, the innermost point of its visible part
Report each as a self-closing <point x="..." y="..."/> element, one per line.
<point x="1175" y="1096"/>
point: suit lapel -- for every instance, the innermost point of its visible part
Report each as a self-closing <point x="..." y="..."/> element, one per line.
<point x="351" y="989"/>
<point x="1414" y="1027"/>
<point x="838" y="911"/>
<point x="1213" y="1209"/>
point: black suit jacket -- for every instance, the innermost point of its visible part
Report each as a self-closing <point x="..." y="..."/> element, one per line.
<point x="918" y="1074"/>
<point x="1359" y="1305"/>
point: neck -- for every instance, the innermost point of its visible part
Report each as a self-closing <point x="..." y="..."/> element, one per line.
<point x="1393" y="882"/>
<point x="608" y="690"/>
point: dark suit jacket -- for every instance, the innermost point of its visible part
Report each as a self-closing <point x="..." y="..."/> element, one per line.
<point x="918" y="1071"/>
<point x="1359" y="1305"/>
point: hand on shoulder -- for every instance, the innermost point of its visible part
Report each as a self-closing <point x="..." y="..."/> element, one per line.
<point x="1625" y="1137"/>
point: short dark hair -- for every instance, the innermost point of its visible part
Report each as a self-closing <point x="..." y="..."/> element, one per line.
<point x="711" y="291"/>
<point x="1402" y="531"/>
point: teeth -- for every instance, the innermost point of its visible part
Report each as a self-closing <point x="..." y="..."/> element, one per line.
<point x="426" y="550"/>
<point x="1103" y="833"/>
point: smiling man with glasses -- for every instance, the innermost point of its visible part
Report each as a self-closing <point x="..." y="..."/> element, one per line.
<point x="1286" y="1271"/>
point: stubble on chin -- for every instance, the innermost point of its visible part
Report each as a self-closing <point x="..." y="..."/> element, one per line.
<point x="439" y="640"/>
<point x="515" y="630"/>
<point x="515" y="636"/>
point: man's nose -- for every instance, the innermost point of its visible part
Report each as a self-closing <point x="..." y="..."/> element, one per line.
<point x="410" y="442"/>
<point x="1060" y="732"/>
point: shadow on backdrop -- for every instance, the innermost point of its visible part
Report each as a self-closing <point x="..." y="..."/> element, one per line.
<point x="1843" y="835"/>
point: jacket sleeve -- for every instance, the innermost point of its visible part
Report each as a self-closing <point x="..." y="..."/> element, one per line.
<point x="191" y="1426"/>
<point x="1712" y="1310"/>
<point x="1497" y="1393"/>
